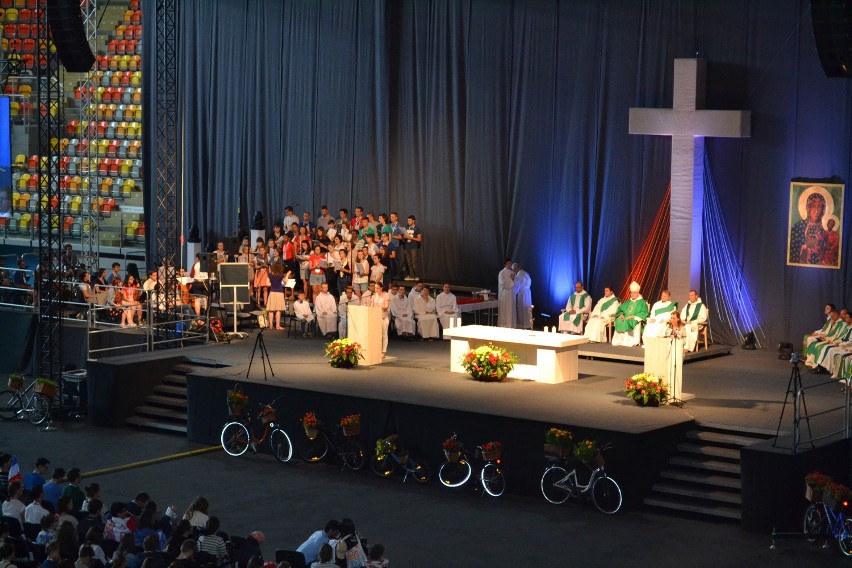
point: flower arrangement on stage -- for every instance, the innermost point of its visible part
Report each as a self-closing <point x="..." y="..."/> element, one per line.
<point x="489" y="363"/>
<point x="351" y="425"/>
<point x="589" y="452"/>
<point x="343" y="353"/>
<point x="558" y="442"/>
<point x="491" y="450"/>
<point x="646" y="390"/>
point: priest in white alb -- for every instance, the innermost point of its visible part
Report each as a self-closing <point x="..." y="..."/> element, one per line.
<point x="629" y="317"/>
<point x="402" y="313"/>
<point x="447" y="307"/>
<point x="601" y="317"/>
<point x="426" y="314"/>
<point x="523" y="297"/>
<point x="661" y="312"/>
<point x="325" y="307"/>
<point x="576" y="311"/>
<point x="694" y="315"/>
<point x="506" y="296"/>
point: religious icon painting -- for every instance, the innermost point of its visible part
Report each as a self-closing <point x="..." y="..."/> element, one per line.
<point x="816" y="225"/>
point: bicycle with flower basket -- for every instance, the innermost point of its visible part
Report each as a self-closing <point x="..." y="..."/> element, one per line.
<point x="558" y="483"/>
<point x="319" y="438"/>
<point x="457" y="469"/>
<point x="238" y="435"/>
<point x="826" y="516"/>
<point x="391" y="455"/>
<point x="19" y="401"/>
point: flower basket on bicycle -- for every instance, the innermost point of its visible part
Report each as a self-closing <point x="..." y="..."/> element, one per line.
<point x="589" y="453"/>
<point x="46" y="387"/>
<point x="237" y="402"/>
<point x="351" y="425"/>
<point x="558" y="442"/>
<point x="267" y="415"/>
<point x="16" y="381"/>
<point x="310" y="423"/>
<point x="491" y="451"/>
<point x="815" y="484"/>
<point x="452" y="450"/>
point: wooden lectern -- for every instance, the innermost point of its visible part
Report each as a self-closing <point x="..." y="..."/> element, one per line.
<point x="364" y="326"/>
<point x="664" y="359"/>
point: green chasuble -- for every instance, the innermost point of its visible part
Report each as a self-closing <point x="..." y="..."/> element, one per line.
<point x="637" y="308"/>
<point x="816" y="347"/>
<point x="576" y="303"/>
<point x="824" y="329"/>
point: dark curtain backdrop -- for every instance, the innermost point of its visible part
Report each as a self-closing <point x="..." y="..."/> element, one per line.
<point x="502" y="125"/>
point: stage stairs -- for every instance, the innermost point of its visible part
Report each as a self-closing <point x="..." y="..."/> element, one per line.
<point x="703" y="477"/>
<point x="165" y="409"/>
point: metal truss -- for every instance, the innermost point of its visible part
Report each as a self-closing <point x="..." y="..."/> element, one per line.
<point x="90" y="245"/>
<point x="49" y="283"/>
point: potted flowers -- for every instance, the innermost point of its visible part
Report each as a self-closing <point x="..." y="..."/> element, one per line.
<point x="343" y="353"/>
<point x="589" y="453"/>
<point x="351" y="425"/>
<point x="489" y="363"/>
<point x="16" y="381"/>
<point x="237" y="401"/>
<point x="46" y="387"/>
<point x="386" y="446"/>
<point x="311" y="424"/>
<point x="452" y="450"/>
<point x="815" y="483"/>
<point x="558" y="442"/>
<point x="646" y="390"/>
<point x="491" y="450"/>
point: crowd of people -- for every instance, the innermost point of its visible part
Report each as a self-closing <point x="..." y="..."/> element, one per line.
<point x="61" y="523"/>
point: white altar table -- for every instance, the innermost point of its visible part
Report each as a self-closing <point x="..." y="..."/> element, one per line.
<point x="542" y="357"/>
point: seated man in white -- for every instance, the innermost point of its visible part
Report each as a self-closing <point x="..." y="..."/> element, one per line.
<point x="601" y="316"/>
<point x="415" y="292"/>
<point x="694" y="315"/>
<point x="822" y="333"/>
<point x="304" y="315"/>
<point x="347" y="298"/>
<point x="325" y="307"/>
<point x="629" y="317"/>
<point x="658" y="320"/>
<point x="447" y="306"/>
<point x="426" y="315"/>
<point x="832" y="356"/>
<point x="815" y="350"/>
<point x="402" y="313"/>
<point x="576" y="311"/>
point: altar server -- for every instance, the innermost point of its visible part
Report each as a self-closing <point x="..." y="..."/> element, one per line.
<point x="576" y="311"/>
<point x="447" y="306"/>
<point x="506" y="296"/>
<point x="402" y="313"/>
<point x="426" y="314"/>
<point x="523" y="298"/>
<point x="325" y="307"/>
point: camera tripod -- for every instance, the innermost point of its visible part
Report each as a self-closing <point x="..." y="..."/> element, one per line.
<point x="264" y="356"/>
<point x="800" y="414"/>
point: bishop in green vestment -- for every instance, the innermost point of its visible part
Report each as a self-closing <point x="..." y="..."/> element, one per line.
<point x="630" y="313"/>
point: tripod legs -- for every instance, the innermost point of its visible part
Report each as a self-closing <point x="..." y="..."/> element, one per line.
<point x="264" y="356"/>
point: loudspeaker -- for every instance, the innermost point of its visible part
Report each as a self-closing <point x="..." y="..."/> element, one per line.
<point x="832" y="23"/>
<point x="65" y="19"/>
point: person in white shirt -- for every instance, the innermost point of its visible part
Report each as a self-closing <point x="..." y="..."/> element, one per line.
<point x="304" y="315"/>
<point x="381" y="300"/>
<point x="403" y="314"/>
<point x="346" y="299"/>
<point x="325" y="307"/>
<point x="426" y="314"/>
<point x="13" y="506"/>
<point x="34" y="512"/>
<point x="447" y="306"/>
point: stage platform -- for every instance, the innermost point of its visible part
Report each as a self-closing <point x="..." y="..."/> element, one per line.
<point x="606" y="351"/>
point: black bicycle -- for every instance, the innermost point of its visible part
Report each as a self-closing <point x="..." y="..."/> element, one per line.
<point x="391" y="457"/>
<point x="316" y="447"/>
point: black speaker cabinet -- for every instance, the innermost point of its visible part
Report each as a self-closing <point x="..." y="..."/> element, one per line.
<point x="65" y="19"/>
<point x="832" y="22"/>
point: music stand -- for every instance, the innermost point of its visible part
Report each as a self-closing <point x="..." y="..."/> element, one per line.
<point x="262" y="323"/>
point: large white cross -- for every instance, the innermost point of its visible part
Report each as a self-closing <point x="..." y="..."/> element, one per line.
<point x="688" y="123"/>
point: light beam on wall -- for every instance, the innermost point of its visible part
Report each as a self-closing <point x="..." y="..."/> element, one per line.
<point x="651" y="269"/>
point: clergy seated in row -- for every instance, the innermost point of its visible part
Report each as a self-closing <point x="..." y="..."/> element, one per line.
<point x="660" y="316"/>
<point x="694" y="316"/>
<point x="601" y="317"/>
<point x="348" y="298"/>
<point x="402" y="313"/>
<point x="447" y="307"/>
<point x="830" y="359"/>
<point x="576" y="311"/>
<point x="325" y="308"/>
<point x="815" y="350"/>
<point x="426" y="314"/>
<point x="629" y="317"/>
<point x="822" y="333"/>
<point x="304" y="315"/>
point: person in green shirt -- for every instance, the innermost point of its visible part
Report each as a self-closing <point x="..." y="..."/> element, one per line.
<point x="73" y="490"/>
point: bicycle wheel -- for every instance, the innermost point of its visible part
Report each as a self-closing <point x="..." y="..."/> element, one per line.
<point x="419" y="471"/>
<point x="40" y="409"/>
<point x="549" y="489"/>
<point x="313" y="450"/>
<point x="352" y="454"/>
<point x="382" y="467"/>
<point x="281" y="446"/>
<point x="606" y="494"/>
<point x="235" y="438"/>
<point x="844" y="541"/>
<point x="454" y="474"/>
<point x="492" y="479"/>
<point x="10" y="404"/>
<point x="814" y="523"/>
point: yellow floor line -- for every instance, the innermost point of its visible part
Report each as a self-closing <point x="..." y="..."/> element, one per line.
<point x="153" y="461"/>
